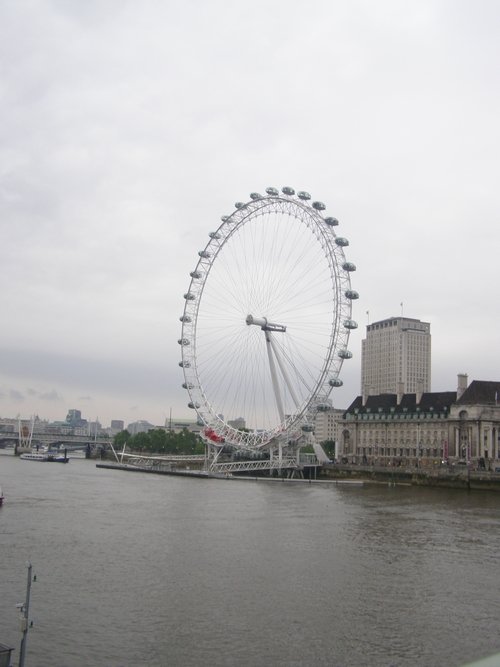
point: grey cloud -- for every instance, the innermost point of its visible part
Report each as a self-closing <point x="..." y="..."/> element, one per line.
<point x="129" y="129"/>
<point x="50" y="396"/>
<point x="76" y="371"/>
<point x="16" y="395"/>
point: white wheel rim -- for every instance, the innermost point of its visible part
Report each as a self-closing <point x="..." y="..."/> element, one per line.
<point x="275" y="257"/>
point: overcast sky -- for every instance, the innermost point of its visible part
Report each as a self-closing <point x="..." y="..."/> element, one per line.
<point x="128" y="128"/>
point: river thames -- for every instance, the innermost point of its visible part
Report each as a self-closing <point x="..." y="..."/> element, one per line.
<point x="138" y="569"/>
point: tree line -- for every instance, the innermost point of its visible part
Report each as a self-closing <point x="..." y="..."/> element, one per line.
<point x="160" y="441"/>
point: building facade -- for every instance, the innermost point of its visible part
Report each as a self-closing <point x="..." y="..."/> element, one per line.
<point x="425" y="428"/>
<point x="396" y="356"/>
<point x="140" y="426"/>
<point x="328" y="425"/>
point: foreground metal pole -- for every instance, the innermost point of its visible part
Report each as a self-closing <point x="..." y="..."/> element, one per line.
<point x="25" y="608"/>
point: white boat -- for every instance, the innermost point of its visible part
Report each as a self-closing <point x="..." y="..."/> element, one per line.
<point x="48" y="456"/>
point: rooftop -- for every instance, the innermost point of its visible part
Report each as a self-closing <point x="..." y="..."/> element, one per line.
<point x="482" y="392"/>
<point x="388" y="403"/>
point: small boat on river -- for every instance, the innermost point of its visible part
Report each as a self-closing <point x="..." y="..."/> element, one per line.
<point x="47" y="456"/>
<point x="1" y="496"/>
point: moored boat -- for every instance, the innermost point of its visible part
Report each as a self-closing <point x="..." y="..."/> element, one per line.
<point x="47" y="456"/>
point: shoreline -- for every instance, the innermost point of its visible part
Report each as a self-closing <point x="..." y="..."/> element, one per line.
<point x="441" y="477"/>
<point x="347" y="476"/>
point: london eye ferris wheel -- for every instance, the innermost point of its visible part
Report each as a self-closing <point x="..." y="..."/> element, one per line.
<point x="266" y="320"/>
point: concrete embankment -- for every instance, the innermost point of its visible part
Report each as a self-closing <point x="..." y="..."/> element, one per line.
<point x="353" y="475"/>
<point x="183" y="472"/>
<point x="441" y="477"/>
<point x="156" y="469"/>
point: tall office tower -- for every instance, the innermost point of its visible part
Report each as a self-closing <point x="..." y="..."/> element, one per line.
<point x="396" y="357"/>
<point x="74" y="417"/>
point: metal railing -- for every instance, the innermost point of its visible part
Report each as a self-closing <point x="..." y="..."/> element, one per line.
<point x="287" y="463"/>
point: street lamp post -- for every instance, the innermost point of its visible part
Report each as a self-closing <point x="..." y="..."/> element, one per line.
<point x="24" y="608"/>
<point x="418" y="445"/>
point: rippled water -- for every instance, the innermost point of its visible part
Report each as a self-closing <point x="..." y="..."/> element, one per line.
<point x="137" y="569"/>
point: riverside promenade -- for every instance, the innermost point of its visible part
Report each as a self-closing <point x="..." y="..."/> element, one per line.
<point x="457" y="477"/>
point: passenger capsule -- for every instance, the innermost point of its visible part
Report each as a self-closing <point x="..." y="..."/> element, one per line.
<point x="189" y="296"/>
<point x="187" y="385"/>
<point x="255" y="195"/>
<point x="196" y="274"/>
<point x="239" y="204"/>
<point x="185" y="318"/>
<point x="183" y="341"/>
<point x="272" y="191"/>
<point x="341" y="241"/>
<point x="307" y="428"/>
<point x="318" y="205"/>
<point x="333" y="222"/>
<point x="204" y="254"/>
<point x="193" y="406"/>
<point x="185" y="364"/>
<point x="351" y="294"/>
<point x="350" y="324"/>
<point x="349" y="266"/>
<point x="224" y="218"/>
<point x="323" y="407"/>
<point x="303" y="195"/>
<point x="335" y="382"/>
<point x="345" y="354"/>
<point x="214" y="235"/>
<point x="288" y="191"/>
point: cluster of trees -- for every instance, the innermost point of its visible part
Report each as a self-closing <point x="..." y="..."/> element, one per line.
<point x="160" y="441"/>
<point x="329" y="447"/>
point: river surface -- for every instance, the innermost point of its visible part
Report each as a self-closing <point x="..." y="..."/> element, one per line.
<point x="138" y="569"/>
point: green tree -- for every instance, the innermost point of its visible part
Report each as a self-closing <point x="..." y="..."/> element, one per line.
<point x="121" y="439"/>
<point x="329" y="447"/>
<point x="140" y="442"/>
<point x="158" y="440"/>
<point x="189" y="443"/>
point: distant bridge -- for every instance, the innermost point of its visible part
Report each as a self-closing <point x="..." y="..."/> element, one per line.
<point x="54" y="439"/>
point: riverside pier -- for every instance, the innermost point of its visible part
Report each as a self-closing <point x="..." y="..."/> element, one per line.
<point x="445" y="476"/>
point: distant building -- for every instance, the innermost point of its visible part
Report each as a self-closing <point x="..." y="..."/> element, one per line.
<point x="74" y="419"/>
<point x="140" y="426"/>
<point x="238" y="423"/>
<point x="328" y="425"/>
<point x="117" y="424"/>
<point x="7" y="425"/>
<point x="396" y="357"/>
<point x="425" y="427"/>
<point x="177" y="425"/>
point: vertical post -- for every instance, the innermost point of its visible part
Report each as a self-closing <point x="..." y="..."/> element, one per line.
<point x="418" y="445"/>
<point x="274" y="377"/>
<point x="25" y="609"/>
